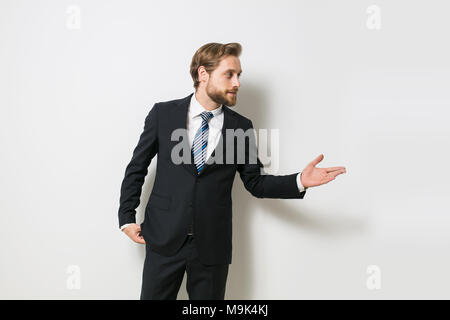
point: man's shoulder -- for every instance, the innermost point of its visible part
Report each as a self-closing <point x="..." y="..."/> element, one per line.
<point x="166" y="106"/>
<point x="171" y="103"/>
<point x="241" y="118"/>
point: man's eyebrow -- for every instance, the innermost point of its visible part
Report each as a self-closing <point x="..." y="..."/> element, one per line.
<point x="232" y="70"/>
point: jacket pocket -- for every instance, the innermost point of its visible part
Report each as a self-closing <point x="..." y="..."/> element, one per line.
<point x="159" y="201"/>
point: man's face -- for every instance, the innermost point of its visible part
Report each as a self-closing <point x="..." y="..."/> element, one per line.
<point x="223" y="83"/>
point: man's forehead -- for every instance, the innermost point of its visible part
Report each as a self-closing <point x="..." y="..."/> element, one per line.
<point x="232" y="68"/>
<point x="231" y="65"/>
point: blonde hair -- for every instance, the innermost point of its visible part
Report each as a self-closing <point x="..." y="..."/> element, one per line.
<point x="210" y="55"/>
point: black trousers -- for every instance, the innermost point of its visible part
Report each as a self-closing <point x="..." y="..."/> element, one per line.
<point x="162" y="276"/>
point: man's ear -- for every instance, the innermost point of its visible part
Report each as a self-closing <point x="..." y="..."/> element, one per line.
<point x="202" y="74"/>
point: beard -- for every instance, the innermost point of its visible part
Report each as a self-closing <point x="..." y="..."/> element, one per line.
<point x="221" y="97"/>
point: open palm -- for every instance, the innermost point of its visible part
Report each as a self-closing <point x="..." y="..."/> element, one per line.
<point x="312" y="176"/>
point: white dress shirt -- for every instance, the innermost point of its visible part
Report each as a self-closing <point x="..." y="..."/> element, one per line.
<point x="193" y="123"/>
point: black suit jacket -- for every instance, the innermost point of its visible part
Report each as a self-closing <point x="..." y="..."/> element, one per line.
<point x="180" y="195"/>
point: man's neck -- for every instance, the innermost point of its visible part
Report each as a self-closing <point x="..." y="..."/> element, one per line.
<point x="206" y="101"/>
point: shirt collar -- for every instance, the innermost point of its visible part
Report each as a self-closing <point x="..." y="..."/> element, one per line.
<point x="196" y="108"/>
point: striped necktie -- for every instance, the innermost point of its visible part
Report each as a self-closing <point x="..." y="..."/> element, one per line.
<point x="201" y="141"/>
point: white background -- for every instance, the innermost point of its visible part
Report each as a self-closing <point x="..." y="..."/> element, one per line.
<point x="73" y="104"/>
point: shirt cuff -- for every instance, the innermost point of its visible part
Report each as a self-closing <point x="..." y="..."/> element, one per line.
<point x="124" y="226"/>
<point x="301" y="188"/>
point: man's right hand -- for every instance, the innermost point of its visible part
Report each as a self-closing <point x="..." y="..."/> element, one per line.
<point x="133" y="231"/>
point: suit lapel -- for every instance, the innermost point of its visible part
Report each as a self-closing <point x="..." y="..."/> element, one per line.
<point x="179" y="116"/>
<point x="178" y="119"/>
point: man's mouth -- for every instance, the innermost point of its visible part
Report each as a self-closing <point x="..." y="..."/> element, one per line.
<point x="232" y="93"/>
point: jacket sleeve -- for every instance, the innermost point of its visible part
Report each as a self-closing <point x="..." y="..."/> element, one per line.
<point x="137" y="169"/>
<point x="265" y="185"/>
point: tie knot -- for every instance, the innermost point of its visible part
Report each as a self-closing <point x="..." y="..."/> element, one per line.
<point x="206" y="115"/>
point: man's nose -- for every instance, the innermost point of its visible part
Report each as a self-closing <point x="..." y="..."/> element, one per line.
<point x="236" y="82"/>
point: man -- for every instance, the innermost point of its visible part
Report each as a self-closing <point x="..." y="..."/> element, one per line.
<point x="187" y="225"/>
